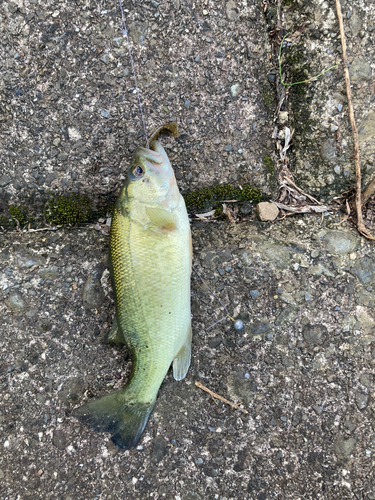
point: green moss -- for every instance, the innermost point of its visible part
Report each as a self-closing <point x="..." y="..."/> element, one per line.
<point x="19" y="214"/>
<point x="268" y="164"/>
<point x="249" y="193"/>
<point x="73" y="209"/>
<point x="287" y="2"/>
<point x="201" y="198"/>
<point x="207" y="198"/>
<point x="268" y="99"/>
<point x="219" y="213"/>
<point x="294" y="57"/>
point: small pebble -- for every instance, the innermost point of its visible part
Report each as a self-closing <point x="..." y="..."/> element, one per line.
<point x="339" y="107"/>
<point x="105" y="113"/>
<point x="228" y="148"/>
<point x="254" y="293"/>
<point x="238" y="324"/>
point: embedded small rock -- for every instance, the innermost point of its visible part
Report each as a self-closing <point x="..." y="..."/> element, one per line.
<point x="344" y="447"/>
<point x="15" y="301"/>
<point x="4" y="180"/>
<point x="339" y="242"/>
<point x="266" y="211"/>
<point x="360" y="70"/>
<point x="231" y="11"/>
<point x="49" y="273"/>
<point x="328" y="150"/>
<point x="236" y="89"/>
<point x="361" y="400"/>
<point x="366" y="130"/>
<point x="59" y="439"/>
<point x="160" y="449"/>
<point x="364" y="269"/>
<point x="314" y="334"/>
<point x="93" y="294"/>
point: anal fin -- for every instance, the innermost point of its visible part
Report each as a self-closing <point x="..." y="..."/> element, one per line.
<point x="115" y="334"/>
<point x="181" y="362"/>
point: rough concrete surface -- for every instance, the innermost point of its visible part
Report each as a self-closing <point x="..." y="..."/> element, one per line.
<point x="303" y="365"/>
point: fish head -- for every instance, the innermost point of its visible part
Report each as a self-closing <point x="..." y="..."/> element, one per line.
<point x="151" y="177"/>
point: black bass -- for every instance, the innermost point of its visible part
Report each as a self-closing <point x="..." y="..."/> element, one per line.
<point x="150" y="255"/>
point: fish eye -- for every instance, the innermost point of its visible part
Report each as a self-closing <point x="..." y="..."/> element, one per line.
<point x="138" y="171"/>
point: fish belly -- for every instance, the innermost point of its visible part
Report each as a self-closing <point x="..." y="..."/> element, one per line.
<point x="151" y="276"/>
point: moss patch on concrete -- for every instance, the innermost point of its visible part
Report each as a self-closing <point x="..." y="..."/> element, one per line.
<point x="72" y="209"/>
<point x="209" y="197"/>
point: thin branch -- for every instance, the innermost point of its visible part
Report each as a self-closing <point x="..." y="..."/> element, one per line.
<point x="217" y="396"/>
<point x="358" y="197"/>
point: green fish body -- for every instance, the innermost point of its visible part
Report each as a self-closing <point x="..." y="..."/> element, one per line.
<point x="150" y="255"/>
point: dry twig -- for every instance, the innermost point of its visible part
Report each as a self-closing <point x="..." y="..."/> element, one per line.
<point x="217" y="396"/>
<point x="358" y="197"/>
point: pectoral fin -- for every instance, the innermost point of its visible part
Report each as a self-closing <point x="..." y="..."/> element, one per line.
<point x="115" y="334"/>
<point x="161" y="217"/>
<point x="181" y="362"/>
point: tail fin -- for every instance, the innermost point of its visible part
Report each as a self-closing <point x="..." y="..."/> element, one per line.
<point x="113" y="413"/>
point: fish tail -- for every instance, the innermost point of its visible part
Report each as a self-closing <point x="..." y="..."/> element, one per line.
<point x="116" y="413"/>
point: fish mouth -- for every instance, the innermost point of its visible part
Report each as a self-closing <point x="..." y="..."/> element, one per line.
<point x="154" y="157"/>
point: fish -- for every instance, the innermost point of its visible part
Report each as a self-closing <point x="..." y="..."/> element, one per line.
<point x="150" y="263"/>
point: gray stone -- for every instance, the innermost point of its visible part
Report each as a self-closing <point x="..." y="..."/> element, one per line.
<point x="241" y="389"/>
<point x="138" y="32"/>
<point x="26" y="259"/>
<point x="361" y="400"/>
<point x="339" y="242"/>
<point x="360" y="70"/>
<point x="278" y="256"/>
<point x="5" y="180"/>
<point x="314" y="334"/>
<point x="236" y="89"/>
<point x="356" y="21"/>
<point x="366" y="131"/>
<point x="260" y="327"/>
<point x="15" y="301"/>
<point x="59" y="439"/>
<point x="344" y="447"/>
<point x="364" y="269"/>
<point x="93" y="295"/>
<point x="72" y="390"/>
<point x="212" y="260"/>
<point x="328" y="150"/>
<point x="160" y="449"/>
<point x="366" y="379"/>
<point x="49" y="273"/>
<point x="231" y="10"/>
